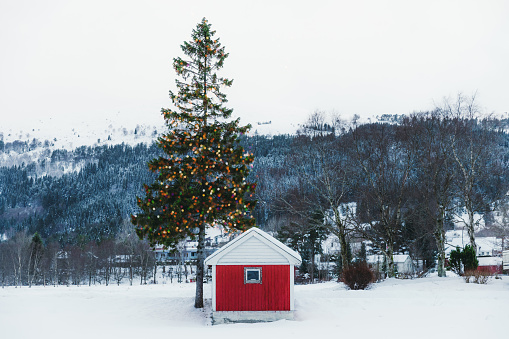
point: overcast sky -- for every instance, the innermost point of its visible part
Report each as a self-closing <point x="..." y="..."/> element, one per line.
<point x="82" y="60"/>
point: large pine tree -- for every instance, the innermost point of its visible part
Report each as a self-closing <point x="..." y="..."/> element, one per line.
<point x="202" y="179"/>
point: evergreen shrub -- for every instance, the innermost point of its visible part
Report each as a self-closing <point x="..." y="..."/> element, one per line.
<point x="463" y="260"/>
<point x="470" y="261"/>
<point x="455" y="261"/>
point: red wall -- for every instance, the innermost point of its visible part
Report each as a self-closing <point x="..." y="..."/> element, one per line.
<point x="273" y="294"/>
<point x="493" y="269"/>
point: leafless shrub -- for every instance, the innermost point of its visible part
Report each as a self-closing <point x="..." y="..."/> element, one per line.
<point x="477" y="276"/>
<point x="358" y="276"/>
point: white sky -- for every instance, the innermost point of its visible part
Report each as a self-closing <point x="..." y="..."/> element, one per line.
<point x="81" y="60"/>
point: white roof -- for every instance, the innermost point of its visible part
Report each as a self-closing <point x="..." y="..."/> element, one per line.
<point x="259" y="248"/>
<point x="489" y="261"/>
<point x="401" y="257"/>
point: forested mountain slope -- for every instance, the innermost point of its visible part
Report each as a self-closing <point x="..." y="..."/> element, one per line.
<point x="94" y="188"/>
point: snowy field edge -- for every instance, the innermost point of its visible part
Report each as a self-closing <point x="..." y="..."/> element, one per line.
<point x="419" y="308"/>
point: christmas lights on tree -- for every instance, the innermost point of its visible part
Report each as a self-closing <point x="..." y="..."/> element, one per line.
<point x="202" y="179"/>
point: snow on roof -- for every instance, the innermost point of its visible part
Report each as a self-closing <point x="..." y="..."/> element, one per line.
<point x="452" y="234"/>
<point x="489" y="261"/>
<point x="489" y="243"/>
<point x="400" y="258"/>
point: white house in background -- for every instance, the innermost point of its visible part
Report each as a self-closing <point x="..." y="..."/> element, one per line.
<point x="403" y="263"/>
<point x="489" y="261"/>
<point x="486" y="246"/>
<point x="187" y="251"/>
<point x="331" y="246"/>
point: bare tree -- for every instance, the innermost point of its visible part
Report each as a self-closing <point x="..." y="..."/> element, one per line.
<point x="118" y="264"/>
<point x="129" y="240"/>
<point x="435" y="166"/>
<point x="472" y="145"/>
<point x="180" y="250"/>
<point x="105" y="254"/>
<point x="50" y="263"/>
<point x="4" y="267"/>
<point x="91" y="262"/>
<point x="384" y="165"/>
<point x="315" y="125"/>
<point x="147" y="261"/>
<point x="36" y="254"/>
<point x="19" y="248"/>
<point x="322" y="172"/>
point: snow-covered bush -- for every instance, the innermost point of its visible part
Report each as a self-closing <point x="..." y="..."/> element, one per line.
<point x="477" y="276"/>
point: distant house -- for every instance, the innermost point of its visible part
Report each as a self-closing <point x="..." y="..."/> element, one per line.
<point x="187" y="252"/>
<point x="490" y="264"/>
<point x="403" y="263"/>
<point x="489" y="250"/>
<point x="252" y="279"/>
<point x="486" y="246"/>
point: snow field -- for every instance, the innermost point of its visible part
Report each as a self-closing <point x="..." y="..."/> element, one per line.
<point x="422" y="308"/>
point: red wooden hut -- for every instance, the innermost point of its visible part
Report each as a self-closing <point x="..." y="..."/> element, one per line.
<point x="252" y="279"/>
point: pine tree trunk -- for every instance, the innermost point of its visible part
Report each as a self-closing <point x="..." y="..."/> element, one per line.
<point x="198" y="302"/>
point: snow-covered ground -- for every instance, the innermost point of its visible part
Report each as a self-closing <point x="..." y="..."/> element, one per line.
<point x="423" y="308"/>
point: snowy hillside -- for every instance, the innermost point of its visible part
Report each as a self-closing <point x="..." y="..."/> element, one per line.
<point x="72" y="132"/>
<point x="36" y="141"/>
<point x="422" y="308"/>
<point x="28" y="141"/>
<point x="271" y="127"/>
